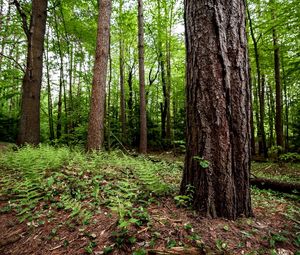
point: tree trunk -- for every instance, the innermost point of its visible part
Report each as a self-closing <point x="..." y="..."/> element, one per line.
<point x="169" y="14"/>
<point x="261" y="94"/>
<point x="50" y="107"/>
<point x="61" y="83"/>
<point x="271" y="114"/>
<point x="286" y="102"/>
<point x="96" y="119"/>
<point x="59" y="111"/>
<point x="122" y="81"/>
<point x="143" y="111"/>
<point x="253" y="151"/>
<point x="278" y="117"/>
<point x="29" y="129"/>
<point x="109" y="99"/>
<point x="264" y="150"/>
<point x="217" y="162"/>
<point x="130" y="102"/>
<point x="161" y="62"/>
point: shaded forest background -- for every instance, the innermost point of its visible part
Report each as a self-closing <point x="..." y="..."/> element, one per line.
<point x="273" y="32"/>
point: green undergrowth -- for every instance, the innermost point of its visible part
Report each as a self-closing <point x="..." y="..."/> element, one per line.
<point x="282" y="171"/>
<point x="78" y="182"/>
<point x="41" y="182"/>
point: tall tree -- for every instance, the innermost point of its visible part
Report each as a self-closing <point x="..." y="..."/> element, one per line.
<point x="217" y="162"/>
<point x="122" y="78"/>
<point x="29" y="127"/>
<point x="97" y="107"/>
<point x="143" y="111"/>
<point x="278" y="117"/>
<point x="260" y="79"/>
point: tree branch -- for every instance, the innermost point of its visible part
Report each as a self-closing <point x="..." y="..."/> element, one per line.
<point x="24" y="18"/>
<point x="20" y="66"/>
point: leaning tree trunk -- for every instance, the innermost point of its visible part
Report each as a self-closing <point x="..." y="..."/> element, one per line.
<point x="97" y="109"/>
<point x="29" y="129"/>
<point x="218" y="109"/>
<point x="143" y="112"/>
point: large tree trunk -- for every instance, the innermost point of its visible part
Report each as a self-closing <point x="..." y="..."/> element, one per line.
<point x="143" y="112"/>
<point x="97" y="109"/>
<point x="218" y="109"/>
<point x="29" y="129"/>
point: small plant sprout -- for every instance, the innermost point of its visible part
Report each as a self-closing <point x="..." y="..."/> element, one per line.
<point x="202" y="162"/>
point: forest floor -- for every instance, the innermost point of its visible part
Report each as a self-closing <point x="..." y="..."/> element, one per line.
<point x="117" y="204"/>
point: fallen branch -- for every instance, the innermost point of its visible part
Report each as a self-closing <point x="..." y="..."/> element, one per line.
<point x="286" y="187"/>
<point x="12" y="238"/>
<point x="176" y="251"/>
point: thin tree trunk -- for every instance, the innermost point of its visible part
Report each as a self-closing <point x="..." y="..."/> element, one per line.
<point x="50" y="108"/>
<point x="253" y="151"/>
<point x="62" y="92"/>
<point x="143" y="111"/>
<point x="97" y="109"/>
<point x="217" y="162"/>
<point x="262" y="116"/>
<point x="260" y="85"/>
<point x="278" y="118"/>
<point x="161" y="61"/>
<point x="286" y="102"/>
<point x="130" y="101"/>
<point x="70" y="101"/>
<point x="169" y="14"/>
<point x="122" y="80"/>
<point x="271" y="115"/>
<point x="109" y="99"/>
<point x="29" y="129"/>
<point x="59" y="111"/>
<point x="1" y="29"/>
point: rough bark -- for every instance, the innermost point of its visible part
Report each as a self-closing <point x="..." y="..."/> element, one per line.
<point x="97" y="108"/>
<point x="143" y="112"/>
<point x="218" y="108"/>
<point x="29" y="126"/>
